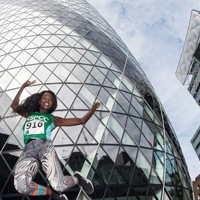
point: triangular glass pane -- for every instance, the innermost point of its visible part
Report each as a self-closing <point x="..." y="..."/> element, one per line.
<point x="42" y="73"/>
<point x="75" y="87"/>
<point x="82" y="196"/>
<point x="158" y="165"/>
<point x="64" y="153"/>
<point x="154" y="178"/>
<point x="73" y="79"/>
<point x="61" y="138"/>
<point x="121" y="118"/>
<point x="91" y="80"/>
<point x="53" y="79"/>
<point x="72" y="131"/>
<point x="112" y="151"/>
<point x="12" y="144"/>
<point x="139" y="177"/>
<point x="137" y="121"/>
<point x="115" y="128"/>
<point x="66" y="95"/>
<point x="94" y="89"/>
<point x="117" y="178"/>
<point x="94" y="176"/>
<point x="133" y="112"/>
<point x="124" y="88"/>
<point x="113" y="92"/>
<point x="50" y="59"/>
<point x="77" y="160"/>
<point x="141" y="192"/>
<point x="98" y="75"/>
<point x="133" y="130"/>
<point x="78" y="104"/>
<point x="68" y="59"/>
<point x="123" y="101"/>
<point x="34" y="78"/>
<point x="144" y="142"/>
<point x="169" y="179"/>
<point x="125" y="164"/>
<point x="53" y="87"/>
<point x="12" y="122"/>
<point x="103" y="70"/>
<point x="109" y="195"/>
<point x="51" y="66"/>
<point x="84" y="61"/>
<point x="35" y="89"/>
<point x="157" y="191"/>
<point x="117" y="108"/>
<point x="137" y="106"/>
<point x="86" y="138"/>
<point x="108" y="138"/>
<point x="103" y="165"/>
<point x="127" y="139"/>
<point x="80" y="73"/>
<point x="143" y="164"/>
<point x="60" y="105"/>
<point x="32" y="68"/>
<point x="13" y="72"/>
<point x="108" y="83"/>
<point x="88" y="68"/>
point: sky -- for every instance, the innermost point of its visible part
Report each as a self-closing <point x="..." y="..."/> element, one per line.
<point x="154" y="32"/>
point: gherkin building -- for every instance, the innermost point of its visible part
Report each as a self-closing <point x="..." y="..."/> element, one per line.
<point x="128" y="149"/>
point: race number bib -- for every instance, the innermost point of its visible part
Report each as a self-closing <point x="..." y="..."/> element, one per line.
<point x="34" y="127"/>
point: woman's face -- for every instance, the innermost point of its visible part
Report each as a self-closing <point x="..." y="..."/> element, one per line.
<point x="46" y="102"/>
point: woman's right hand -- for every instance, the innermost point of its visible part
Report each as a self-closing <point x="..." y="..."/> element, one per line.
<point x="27" y="83"/>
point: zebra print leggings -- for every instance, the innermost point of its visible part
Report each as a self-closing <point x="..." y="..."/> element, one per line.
<point x="28" y="164"/>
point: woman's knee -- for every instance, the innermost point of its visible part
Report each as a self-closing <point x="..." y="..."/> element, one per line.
<point x="21" y="184"/>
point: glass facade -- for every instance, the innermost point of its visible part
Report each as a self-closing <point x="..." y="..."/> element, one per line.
<point x="188" y="68"/>
<point x="196" y="142"/>
<point x="128" y="149"/>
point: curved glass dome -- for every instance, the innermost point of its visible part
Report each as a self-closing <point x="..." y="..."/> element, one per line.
<point x="128" y="148"/>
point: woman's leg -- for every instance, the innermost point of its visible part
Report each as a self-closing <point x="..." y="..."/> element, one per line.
<point x="51" y="166"/>
<point x="26" y="168"/>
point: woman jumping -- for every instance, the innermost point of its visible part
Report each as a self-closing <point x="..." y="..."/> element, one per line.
<point x="38" y="147"/>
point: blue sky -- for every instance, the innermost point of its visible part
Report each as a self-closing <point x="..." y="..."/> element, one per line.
<point x="155" y="32"/>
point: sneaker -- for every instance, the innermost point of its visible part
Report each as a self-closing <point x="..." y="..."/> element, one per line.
<point x="86" y="184"/>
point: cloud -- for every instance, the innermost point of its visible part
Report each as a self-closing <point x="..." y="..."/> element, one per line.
<point x="155" y="31"/>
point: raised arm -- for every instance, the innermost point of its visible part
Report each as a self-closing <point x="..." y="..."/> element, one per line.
<point x="15" y="102"/>
<point x="59" y="121"/>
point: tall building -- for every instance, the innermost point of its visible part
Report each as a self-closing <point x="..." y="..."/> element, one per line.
<point x="128" y="148"/>
<point x="188" y="68"/>
<point x="196" y="142"/>
<point x="196" y="187"/>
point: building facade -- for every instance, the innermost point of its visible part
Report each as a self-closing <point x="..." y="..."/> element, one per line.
<point x="195" y="141"/>
<point x="188" y="68"/>
<point x="196" y="187"/>
<point x="128" y="149"/>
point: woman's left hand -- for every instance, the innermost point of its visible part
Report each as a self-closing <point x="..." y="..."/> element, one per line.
<point x="97" y="104"/>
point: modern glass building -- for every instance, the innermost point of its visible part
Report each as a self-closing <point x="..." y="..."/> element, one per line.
<point x="188" y="71"/>
<point x="195" y="141"/>
<point x="128" y="148"/>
